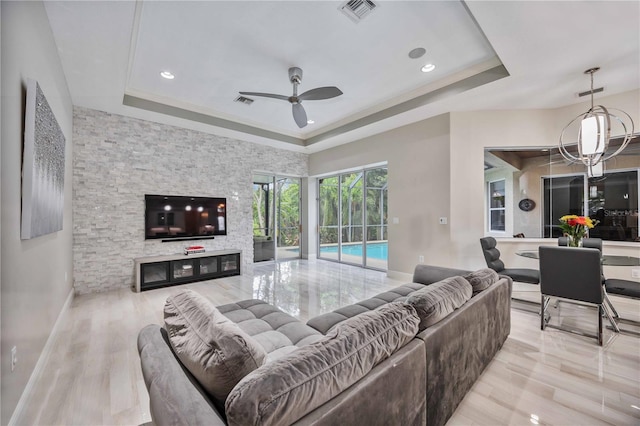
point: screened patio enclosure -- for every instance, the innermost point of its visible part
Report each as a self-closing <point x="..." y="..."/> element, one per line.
<point x="352" y="218"/>
<point x="276" y="218"/>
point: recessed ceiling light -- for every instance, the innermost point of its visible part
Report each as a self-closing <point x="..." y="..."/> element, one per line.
<point x="168" y="75"/>
<point x="428" y="68"/>
<point x="310" y="122"/>
<point x="418" y="52"/>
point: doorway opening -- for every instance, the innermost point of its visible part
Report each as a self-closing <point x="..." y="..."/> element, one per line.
<point x="276" y="217"/>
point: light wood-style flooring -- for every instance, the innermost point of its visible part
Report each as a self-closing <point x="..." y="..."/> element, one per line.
<point x="93" y="375"/>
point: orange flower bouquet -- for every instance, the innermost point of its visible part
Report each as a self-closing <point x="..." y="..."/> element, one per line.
<point x="576" y="228"/>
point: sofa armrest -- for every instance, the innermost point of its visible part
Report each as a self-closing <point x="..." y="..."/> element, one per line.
<point x="175" y="397"/>
<point x="459" y="348"/>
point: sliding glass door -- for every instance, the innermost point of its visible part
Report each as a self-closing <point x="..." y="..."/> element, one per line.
<point x="352" y="218"/>
<point x="376" y="218"/>
<point x="563" y="195"/>
<point x="612" y="200"/>
<point x="328" y="214"/>
<point x="351" y="247"/>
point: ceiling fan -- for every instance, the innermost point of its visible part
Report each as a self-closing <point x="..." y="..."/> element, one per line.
<point x="317" y="94"/>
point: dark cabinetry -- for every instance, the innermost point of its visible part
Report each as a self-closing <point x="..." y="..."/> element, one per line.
<point x="162" y="271"/>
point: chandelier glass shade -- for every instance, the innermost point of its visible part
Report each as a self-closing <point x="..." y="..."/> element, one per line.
<point x="594" y="134"/>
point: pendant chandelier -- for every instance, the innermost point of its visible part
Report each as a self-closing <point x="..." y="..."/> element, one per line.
<point x="594" y="134"/>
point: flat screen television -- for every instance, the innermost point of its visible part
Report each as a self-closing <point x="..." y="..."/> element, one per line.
<point x="188" y="218"/>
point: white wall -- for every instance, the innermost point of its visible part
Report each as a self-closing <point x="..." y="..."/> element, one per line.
<point x="471" y="132"/>
<point x="418" y="176"/>
<point x="36" y="273"/>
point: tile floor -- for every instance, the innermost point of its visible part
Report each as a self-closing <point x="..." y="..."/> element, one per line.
<point x="93" y="375"/>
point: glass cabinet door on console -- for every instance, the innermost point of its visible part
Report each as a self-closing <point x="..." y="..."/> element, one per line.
<point x="155" y="273"/>
<point x="229" y="263"/>
<point x="209" y="266"/>
<point x="182" y="269"/>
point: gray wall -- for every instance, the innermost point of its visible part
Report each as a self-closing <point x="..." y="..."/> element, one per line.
<point x="471" y="132"/>
<point x="417" y="156"/>
<point x="36" y="273"/>
<point x="117" y="160"/>
<point x="436" y="170"/>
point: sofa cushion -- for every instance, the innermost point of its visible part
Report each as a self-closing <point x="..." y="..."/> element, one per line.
<point x="277" y="332"/>
<point x="481" y="279"/>
<point x="214" y="349"/>
<point x="435" y="301"/>
<point x="285" y="390"/>
<point x="323" y="323"/>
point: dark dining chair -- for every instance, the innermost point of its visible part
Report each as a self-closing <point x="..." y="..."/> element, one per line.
<point x="586" y="242"/>
<point x="572" y="273"/>
<point x="619" y="287"/>
<point x="623" y="288"/>
<point x="492" y="257"/>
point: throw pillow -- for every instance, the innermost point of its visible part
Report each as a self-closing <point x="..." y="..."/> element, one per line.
<point x="285" y="390"/>
<point x="481" y="279"/>
<point x="434" y="302"/>
<point x="214" y="349"/>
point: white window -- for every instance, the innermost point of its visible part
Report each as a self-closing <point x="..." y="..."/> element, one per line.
<point x="496" y="205"/>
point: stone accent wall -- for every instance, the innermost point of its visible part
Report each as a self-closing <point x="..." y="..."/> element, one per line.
<point x="117" y="160"/>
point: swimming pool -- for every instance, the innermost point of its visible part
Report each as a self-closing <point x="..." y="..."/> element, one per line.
<point x="378" y="250"/>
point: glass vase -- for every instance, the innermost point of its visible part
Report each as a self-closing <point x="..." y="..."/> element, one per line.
<point x="574" y="241"/>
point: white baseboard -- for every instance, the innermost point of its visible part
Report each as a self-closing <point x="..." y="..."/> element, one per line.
<point x="400" y="276"/>
<point x="42" y="361"/>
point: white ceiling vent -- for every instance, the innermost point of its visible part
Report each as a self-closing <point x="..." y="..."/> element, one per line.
<point x="357" y="10"/>
<point x="243" y="100"/>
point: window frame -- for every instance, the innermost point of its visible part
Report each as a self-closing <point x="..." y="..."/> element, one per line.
<point x="491" y="209"/>
<point x="586" y="193"/>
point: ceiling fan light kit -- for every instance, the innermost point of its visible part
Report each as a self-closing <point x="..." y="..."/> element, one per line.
<point x="317" y="94"/>
<point x="594" y="134"/>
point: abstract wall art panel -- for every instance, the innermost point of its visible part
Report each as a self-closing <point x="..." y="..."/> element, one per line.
<point x="42" y="168"/>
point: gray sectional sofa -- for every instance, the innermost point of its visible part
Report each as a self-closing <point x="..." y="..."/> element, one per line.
<point x="373" y="362"/>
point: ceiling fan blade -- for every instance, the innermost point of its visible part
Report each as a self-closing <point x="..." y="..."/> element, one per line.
<point x="266" y="95"/>
<point x="299" y="115"/>
<point x="320" y="93"/>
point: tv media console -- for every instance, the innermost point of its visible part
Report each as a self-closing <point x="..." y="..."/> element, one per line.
<point x="162" y="271"/>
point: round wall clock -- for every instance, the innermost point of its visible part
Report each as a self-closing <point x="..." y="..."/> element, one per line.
<point x="527" y="205"/>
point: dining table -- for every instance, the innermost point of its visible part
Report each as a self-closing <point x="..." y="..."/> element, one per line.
<point x="607" y="259"/>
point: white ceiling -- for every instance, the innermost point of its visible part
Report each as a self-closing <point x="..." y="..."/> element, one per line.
<point x="113" y="52"/>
